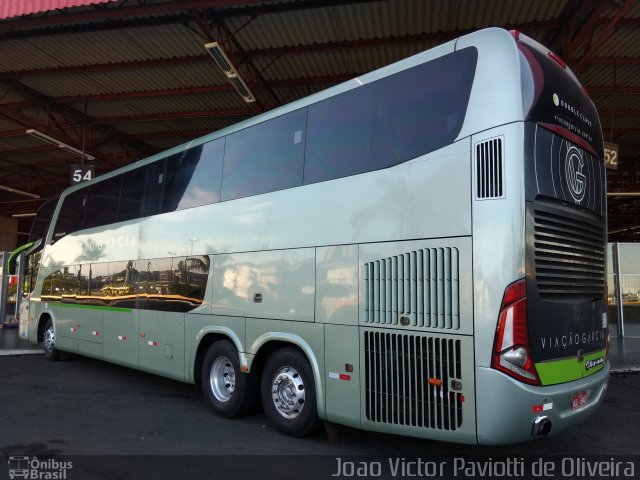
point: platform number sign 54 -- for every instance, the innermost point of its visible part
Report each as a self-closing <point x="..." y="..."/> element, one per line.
<point x="81" y="173"/>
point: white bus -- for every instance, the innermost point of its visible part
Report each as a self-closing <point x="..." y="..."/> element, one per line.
<point x="418" y="251"/>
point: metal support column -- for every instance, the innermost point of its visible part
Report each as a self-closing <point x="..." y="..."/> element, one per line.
<point x="20" y="260"/>
<point x="618" y="287"/>
<point x="4" y="285"/>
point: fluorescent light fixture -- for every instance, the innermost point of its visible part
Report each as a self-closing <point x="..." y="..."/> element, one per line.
<point x="221" y="59"/>
<point x="19" y="192"/>
<point x="59" y="143"/>
<point x="24" y="215"/>
<point x="626" y="229"/>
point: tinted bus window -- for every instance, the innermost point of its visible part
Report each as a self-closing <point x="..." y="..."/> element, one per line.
<point x="71" y="216"/>
<point x="391" y="120"/>
<point x="266" y="157"/>
<point x="194" y="177"/>
<point x="102" y="202"/>
<point x="98" y="279"/>
<point x="43" y="220"/>
<point x="339" y="138"/>
<point x="142" y="191"/>
<point x="421" y="109"/>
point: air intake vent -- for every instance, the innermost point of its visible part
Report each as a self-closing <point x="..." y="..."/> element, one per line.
<point x="408" y="380"/>
<point x="569" y="253"/>
<point x="489" y="169"/>
<point x="421" y="286"/>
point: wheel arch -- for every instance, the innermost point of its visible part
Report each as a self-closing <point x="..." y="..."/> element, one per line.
<point x="204" y="339"/>
<point x="42" y="323"/>
<point x="272" y="341"/>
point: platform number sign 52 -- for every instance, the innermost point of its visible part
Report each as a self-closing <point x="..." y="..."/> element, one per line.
<point x="611" y="155"/>
<point x="81" y="173"/>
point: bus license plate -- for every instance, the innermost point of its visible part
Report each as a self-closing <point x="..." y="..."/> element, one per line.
<point x="579" y="399"/>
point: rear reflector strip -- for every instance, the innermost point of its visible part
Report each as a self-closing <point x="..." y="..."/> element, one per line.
<point x="557" y="59"/>
<point x="572" y="137"/>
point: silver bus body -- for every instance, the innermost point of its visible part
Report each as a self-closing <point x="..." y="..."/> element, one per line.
<point x="390" y="282"/>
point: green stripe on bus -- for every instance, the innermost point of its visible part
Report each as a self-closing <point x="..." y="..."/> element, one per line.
<point x="568" y="369"/>
<point x="19" y="250"/>
<point x="91" y="307"/>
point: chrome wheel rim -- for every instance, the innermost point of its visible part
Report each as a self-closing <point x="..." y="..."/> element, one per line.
<point x="288" y="392"/>
<point x="222" y="379"/>
<point x="49" y="339"/>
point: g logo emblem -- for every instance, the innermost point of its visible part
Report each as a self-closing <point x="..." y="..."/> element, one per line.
<point x="574" y="171"/>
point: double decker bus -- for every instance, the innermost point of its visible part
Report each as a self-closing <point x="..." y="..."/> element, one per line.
<point x="417" y="251"/>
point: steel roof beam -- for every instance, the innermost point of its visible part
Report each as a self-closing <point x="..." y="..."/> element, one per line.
<point x="294" y="50"/>
<point x="66" y="112"/>
<point x="293" y="82"/>
<point x="613" y="90"/>
<point x="159" y="13"/>
<point x="597" y="43"/>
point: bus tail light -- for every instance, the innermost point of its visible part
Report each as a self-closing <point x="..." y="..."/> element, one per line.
<point x="511" y="345"/>
<point x="605" y="325"/>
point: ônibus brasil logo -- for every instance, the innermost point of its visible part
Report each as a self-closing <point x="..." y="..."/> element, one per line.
<point x="33" y="468"/>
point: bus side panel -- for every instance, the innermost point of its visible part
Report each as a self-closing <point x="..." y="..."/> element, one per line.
<point x="343" y="375"/>
<point x="337" y="284"/>
<point x="161" y="343"/>
<point x="416" y="344"/>
<point x="63" y="342"/>
<point x="120" y="338"/>
<point x="83" y="324"/>
<point x="272" y="284"/>
<point x="423" y="284"/>
<point x="418" y="384"/>
<point x="498" y="230"/>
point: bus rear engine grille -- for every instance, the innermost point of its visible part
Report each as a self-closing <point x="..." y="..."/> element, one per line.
<point x="569" y="255"/>
<point x="421" y="286"/>
<point x="408" y="380"/>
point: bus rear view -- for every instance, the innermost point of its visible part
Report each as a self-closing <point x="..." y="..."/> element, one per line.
<point x="424" y="256"/>
<point x="548" y="368"/>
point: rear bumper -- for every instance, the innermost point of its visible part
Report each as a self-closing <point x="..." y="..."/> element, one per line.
<point x="507" y="409"/>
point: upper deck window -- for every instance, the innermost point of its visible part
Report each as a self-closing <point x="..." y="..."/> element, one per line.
<point x="391" y="120"/>
<point x="266" y="157"/>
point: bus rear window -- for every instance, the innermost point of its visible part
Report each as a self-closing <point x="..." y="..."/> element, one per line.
<point x="557" y="102"/>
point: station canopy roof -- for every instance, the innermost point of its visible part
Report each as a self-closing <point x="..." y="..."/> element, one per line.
<point x="121" y="80"/>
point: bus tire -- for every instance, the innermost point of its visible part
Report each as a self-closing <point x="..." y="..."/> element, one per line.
<point x="289" y="393"/>
<point x="229" y="392"/>
<point x="48" y="342"/>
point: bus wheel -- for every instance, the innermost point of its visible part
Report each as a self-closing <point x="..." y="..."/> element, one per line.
<point x="48" y="342"/>
<point x="289" y="393"/>
<point x="229" y="392"/>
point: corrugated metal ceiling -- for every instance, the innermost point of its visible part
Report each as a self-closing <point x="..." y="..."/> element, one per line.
<point x="133" y="75"/>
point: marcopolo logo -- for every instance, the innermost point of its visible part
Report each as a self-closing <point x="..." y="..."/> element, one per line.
<point x="575" y="170"/>
<point x="589" y="364"/>
<point x="33" y="468"/>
